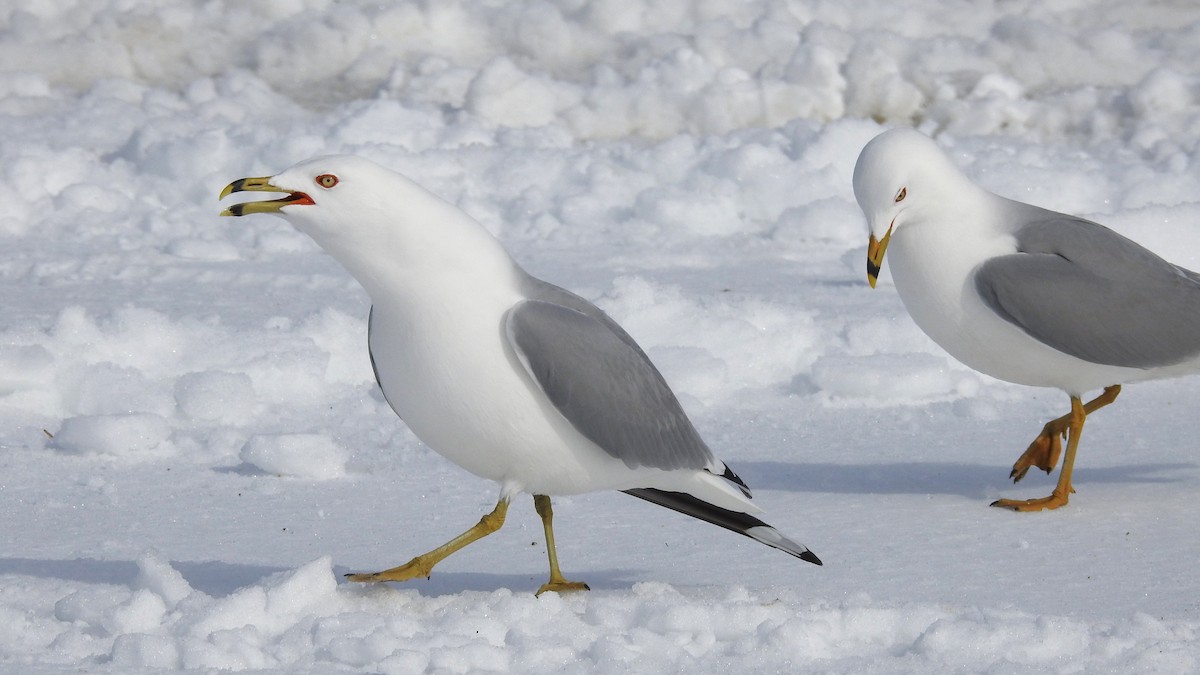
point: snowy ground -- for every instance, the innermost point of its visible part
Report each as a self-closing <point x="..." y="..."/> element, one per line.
<point x="220" y="455"/>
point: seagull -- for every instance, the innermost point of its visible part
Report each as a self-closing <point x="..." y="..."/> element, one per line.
<point x="1022" y="293"/>
<point x="508" y="376"/>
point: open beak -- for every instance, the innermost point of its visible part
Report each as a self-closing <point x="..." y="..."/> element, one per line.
<point x="265" y="206"/>
<point x="875" y="250"/>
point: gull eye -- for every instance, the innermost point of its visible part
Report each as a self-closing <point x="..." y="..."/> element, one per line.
<point x="899" y="195"/>
<point x="328" y="180"/>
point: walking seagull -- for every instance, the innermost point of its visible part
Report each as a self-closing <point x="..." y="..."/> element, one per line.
<point x="510" y="377"/>
<point x="1022" y="293"/>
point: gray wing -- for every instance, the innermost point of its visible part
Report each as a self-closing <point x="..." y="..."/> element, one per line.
<point x="1094" y="294"/>
<point x="602" y="382"/>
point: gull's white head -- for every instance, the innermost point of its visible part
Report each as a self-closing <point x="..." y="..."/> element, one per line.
<point x="901" y="175"/>
<point x="337" y="193"/>
<point x="376" y="222"/>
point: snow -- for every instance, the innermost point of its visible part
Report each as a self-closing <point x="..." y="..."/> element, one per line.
<point x="194" y="451"/>
<point x="298" y="455"/>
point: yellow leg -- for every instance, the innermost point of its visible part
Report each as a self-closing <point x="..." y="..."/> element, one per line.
<point x="557" y="583"/>
<point x="1045" y="450"/>
<point x="1063" y="490"/>
<point x="422" y="565"/>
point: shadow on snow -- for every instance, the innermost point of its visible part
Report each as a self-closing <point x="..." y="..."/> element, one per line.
<point x="968" y="480"/>
<point x="211" y="577"/>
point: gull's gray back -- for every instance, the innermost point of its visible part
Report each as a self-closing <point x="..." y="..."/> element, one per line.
<point x="601" y="381"/>
<point x="1094" y="294"/>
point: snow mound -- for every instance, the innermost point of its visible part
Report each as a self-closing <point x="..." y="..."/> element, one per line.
<point x="215" y="396"/>
<point x="122" y="435"/>
<point x="314" y="456"/>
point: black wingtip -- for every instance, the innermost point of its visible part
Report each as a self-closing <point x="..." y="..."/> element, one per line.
<point x="732" y="477"/>
<point x="736" y="521"/>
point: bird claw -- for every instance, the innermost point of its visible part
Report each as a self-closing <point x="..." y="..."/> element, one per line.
<point x="1054" y="501"/>
<point x="1043" y="452"/>
<point x="563" y="586"/>
<point x="363" y="577"/>
<point x="413" y="569"/>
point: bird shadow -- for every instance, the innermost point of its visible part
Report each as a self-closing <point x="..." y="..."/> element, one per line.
<point x="452" y="583"/>
<point x="966" y="480"/>
<point x="220" y="579"/>
<point x="212" y="577"/>
<point x="243" y="469"/>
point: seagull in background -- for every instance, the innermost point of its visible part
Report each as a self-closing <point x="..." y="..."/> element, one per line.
<point x="1022" y="293"/>
<point x="510" y="377"/>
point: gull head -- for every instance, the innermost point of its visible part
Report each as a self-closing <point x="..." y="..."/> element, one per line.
<point x="347" y="201"/>
<point x="322" y="191"/>
<point x="377" y="223"/>
<point x="364" y="215"/>
<point x="900" y="177"/>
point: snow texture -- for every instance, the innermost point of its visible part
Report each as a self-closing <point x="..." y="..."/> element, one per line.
<point x="194" y="450"/>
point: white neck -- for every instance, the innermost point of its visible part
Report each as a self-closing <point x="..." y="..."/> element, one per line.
<point x="443" y="253"/>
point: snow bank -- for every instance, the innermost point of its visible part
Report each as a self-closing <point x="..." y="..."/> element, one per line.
<point x="302" y="619"/>
<point x="633" y="67"/>
<point x="130" y="382"/>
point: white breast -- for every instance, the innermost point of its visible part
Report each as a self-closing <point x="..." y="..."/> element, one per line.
<point x="447" y="371"/>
